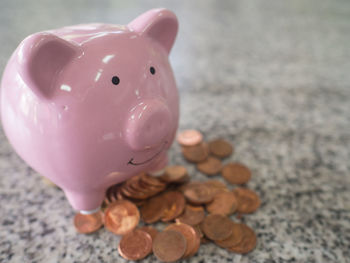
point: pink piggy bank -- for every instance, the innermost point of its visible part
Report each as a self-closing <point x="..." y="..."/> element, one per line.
<point x="91" y="105"/>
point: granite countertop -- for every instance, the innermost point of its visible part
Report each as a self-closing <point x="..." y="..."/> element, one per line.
<point x="270" y="76"/>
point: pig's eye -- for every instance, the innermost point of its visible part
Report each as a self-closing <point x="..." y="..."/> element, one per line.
<point x="152" y="70"/>
<point x="115" y="80"/>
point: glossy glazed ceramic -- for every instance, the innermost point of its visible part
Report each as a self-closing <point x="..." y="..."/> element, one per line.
<point x="91" y="105"/>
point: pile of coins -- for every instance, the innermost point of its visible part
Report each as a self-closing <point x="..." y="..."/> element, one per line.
<point x="195" y="212"/>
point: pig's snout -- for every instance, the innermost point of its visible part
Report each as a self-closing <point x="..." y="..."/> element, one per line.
<point x="148" y="125"/>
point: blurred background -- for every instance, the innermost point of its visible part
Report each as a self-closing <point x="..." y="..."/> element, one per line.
<point x="270" y="76"/>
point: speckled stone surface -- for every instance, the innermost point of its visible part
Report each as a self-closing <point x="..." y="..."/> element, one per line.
<point x="273" y="77"/>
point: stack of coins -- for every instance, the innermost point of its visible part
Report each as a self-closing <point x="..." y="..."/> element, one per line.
<point x="195" y="212"/>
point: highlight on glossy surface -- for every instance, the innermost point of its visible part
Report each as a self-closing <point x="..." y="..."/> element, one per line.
<point x="121" y="217"/>
<point x="189" y="137"/>
<point x="91" y="105"/>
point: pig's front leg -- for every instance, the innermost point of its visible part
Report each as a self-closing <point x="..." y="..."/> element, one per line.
<point x="159" y="166"/>
<point x="86" y="202"/>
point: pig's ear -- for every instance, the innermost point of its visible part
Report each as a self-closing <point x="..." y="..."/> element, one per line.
<point x="42" y="57"/>
<point x="158" y="24"/>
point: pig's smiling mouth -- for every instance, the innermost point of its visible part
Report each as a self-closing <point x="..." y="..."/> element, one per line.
<point x="131" y="161"/>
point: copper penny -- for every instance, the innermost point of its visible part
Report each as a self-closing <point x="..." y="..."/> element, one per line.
<point x="151" y="190"/>
<point x="134" y="183"/>
<point x="138" y="203"/>
<point x="248" y="200"/>
<point x="128" y="191"/>
<point x="110" y="194"/>
<point x="193" y="240"/>
<point x="248" y="242"/>
<point x="174" y="174"/>
<point x="193" y="215"/>
<point x="220" y="148"/>
<point x="153" y="209"/>
<point x="198" y="193"/>
<point x="196" y="154"/>
<point x="216" y="186"/>
<point x="204" y="240"/>
<point x="169" y="246"/>
<point x="224" y="203"/>
<point x="210" y="166"/>
<point x="183" y="187"/>
<point x="142" y="186"/>
<point x="198" y="231"/>
<point x="105" y="202"/>
<point x="150" y="230"/>
<point x="189" y="137"/>
<point x="142" y="191"/>
<point x="234" y="239"/>
<point x="119" y="194"/>
<point x="121" y="217"/>
<point x="174" y="205"/>
<point x="152" y="180"/>
<point x="86" y="224"/>
<point x="135" y="245"/>
<point x="217" y="227"/>
<point x="236" y="173"/>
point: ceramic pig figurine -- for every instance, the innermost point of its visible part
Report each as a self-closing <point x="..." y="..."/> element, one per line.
<point x="89" y="106"/>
